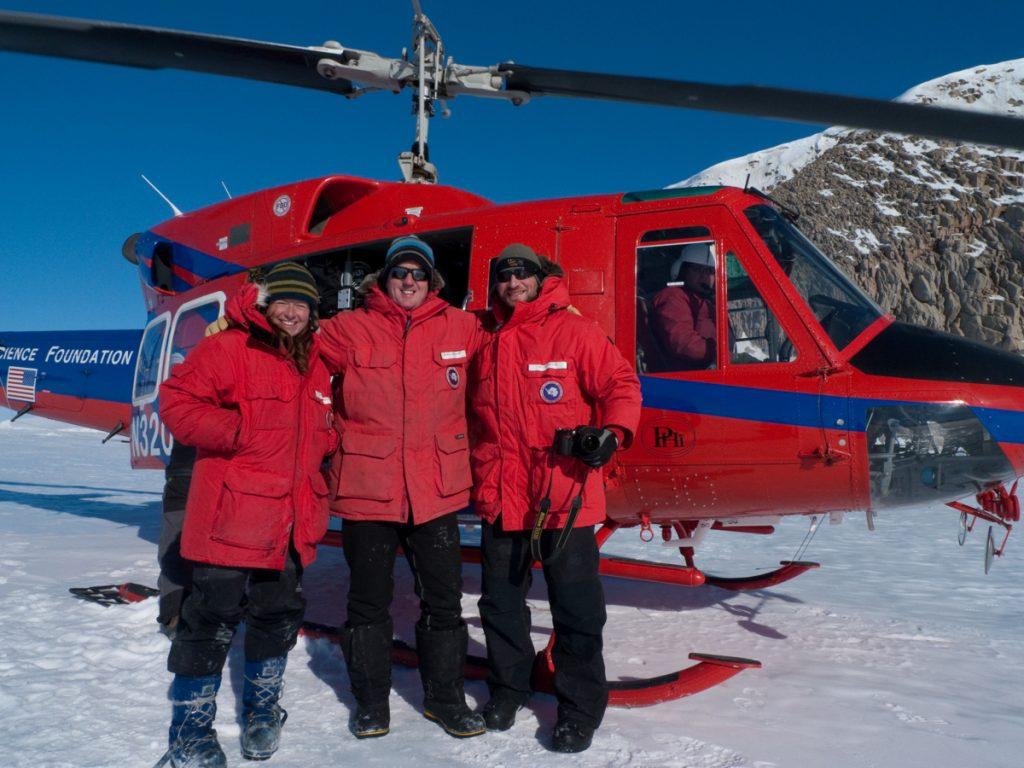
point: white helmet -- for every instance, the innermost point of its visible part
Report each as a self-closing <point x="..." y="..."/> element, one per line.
<point x="701" y="254"/>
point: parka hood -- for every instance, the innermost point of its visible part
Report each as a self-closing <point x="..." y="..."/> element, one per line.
<point x="552" y="297"/>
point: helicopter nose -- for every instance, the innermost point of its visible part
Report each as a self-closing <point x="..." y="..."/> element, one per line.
<point x="939" y="451"/>
<point x="912" y="352"/>
<point x="931" y="452"/>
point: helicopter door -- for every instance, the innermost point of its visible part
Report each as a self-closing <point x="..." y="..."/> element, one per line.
<point x="720" y="357"/>
<point x="165" y="343"/>
<point x="145" y="427"/>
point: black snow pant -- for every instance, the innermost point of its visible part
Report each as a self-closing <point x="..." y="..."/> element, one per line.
<point x="271" y="602"/>
<point x="434" y="556"/>
<point x="577" y="609"/>
<point x="175" y="571"/>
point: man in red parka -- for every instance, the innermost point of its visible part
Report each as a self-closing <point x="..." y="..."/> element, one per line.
<point x="546" y="369"/>
<point x="684" y="311"/>
<point x="400" y="477"/>
<point x="256" y="405"/>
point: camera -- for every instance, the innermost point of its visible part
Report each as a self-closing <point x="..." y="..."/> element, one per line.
<point x="576" y="442"/>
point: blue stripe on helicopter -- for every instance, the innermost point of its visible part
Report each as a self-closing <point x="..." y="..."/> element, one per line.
<point x="1004" y="426"/>
<point x="795" y="408"/>
<point x="92" y="365"/>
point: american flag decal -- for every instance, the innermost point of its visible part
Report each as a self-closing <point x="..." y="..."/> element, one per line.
<point x="21" y="384"/>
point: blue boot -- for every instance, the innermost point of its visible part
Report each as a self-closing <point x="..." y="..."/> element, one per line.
<point x="191" y="738"/>
<point x="262" y="717"/>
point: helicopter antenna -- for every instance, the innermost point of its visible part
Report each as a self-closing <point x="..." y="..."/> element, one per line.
<point x="228" y="191"/>
<point x="174" y="208"/>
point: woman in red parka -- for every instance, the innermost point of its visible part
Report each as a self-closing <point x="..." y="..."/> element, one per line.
<point x="256" y="405"/>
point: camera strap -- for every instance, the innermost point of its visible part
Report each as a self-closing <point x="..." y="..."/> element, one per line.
<point x="543" y="510"/>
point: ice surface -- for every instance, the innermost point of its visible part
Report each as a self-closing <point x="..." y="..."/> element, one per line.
<point x="897" y="652"/>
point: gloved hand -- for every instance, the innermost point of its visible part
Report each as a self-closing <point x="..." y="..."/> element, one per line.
<point x="595" y="445"/>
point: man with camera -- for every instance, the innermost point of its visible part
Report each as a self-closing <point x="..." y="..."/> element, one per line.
<point x="552" y="399"/>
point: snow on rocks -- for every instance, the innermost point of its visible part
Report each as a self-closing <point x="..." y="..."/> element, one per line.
<point x="899" y="211"/>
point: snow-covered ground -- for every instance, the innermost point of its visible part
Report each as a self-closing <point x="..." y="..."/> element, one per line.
<point x="898" y="652"/>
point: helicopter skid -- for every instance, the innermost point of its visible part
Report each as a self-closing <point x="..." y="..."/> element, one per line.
<point x="659" y="573"/>
<point x="626" y="568"/>
<point x="709" y="671"/>
<point x="789" y="569"/>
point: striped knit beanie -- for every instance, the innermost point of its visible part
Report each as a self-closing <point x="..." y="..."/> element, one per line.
<point x="404" y="248"/>
<point x="291" y="281"/>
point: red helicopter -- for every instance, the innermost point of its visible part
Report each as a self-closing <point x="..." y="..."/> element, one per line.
<point x="815" y="402"/>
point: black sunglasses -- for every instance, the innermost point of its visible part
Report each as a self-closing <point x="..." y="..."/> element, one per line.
<point x="399" y="273"/>
<point x="519" y="273"/>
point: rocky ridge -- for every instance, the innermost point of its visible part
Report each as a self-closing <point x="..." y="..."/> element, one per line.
<point x="934" y="231"/>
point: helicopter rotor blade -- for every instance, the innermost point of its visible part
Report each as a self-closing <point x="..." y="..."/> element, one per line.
<point x="764" y="101"/>
<point x="155" y="48"/>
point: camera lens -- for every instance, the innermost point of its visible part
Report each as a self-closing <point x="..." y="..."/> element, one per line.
<point x="589" y="443"/>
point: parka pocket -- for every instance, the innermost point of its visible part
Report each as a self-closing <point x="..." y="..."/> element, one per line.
<point x="253" y="512"/>
<point x="371" y="382"/>
<point x="450" y="359"/>
<point x="366" y="356"/>
<point x="369" y="466"/>
<point x="453" y="463"/>
<point x="552" y="399"/>
<point x="316" y="525"/>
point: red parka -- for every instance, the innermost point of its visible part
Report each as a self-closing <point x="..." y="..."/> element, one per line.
<point x="261" y="431"/>
<point x="684" y="323"/>
<point x="401" y="408"/>
<point x="544" y="369"/>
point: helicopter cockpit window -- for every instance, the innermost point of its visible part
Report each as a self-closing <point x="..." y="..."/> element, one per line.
<point x="840" y="307"/>
<point x="147" y="369"/>
<point x="675" y="301"/>
<point x="755" y="336"/>
<point x="339" y="273"/>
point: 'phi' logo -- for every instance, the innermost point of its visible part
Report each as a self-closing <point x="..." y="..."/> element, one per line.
<point x="452" y="374"/>
<point x="551" y="391"/>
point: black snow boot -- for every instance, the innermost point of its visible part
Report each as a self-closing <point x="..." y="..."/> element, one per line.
<point x="571" y="736"/>
<point x="191" y="738"/>
<point x="500" y="711"/>
<point x="442" y="657"/>
<point x="262" y="717"/>
<point x="367" y="652"/>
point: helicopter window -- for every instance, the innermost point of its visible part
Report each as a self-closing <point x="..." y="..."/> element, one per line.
<point x="680" y="233"/>
<point x="841" y="308"/>
<point x="339" y="273"/>
<point x="147" y="369"/>
<point x="190" y="327"/>
<point x="755" y="336"/>
<point x="675" y="302"/>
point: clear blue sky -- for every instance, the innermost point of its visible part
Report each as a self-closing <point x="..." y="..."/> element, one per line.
<point x="75" y="136"/>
